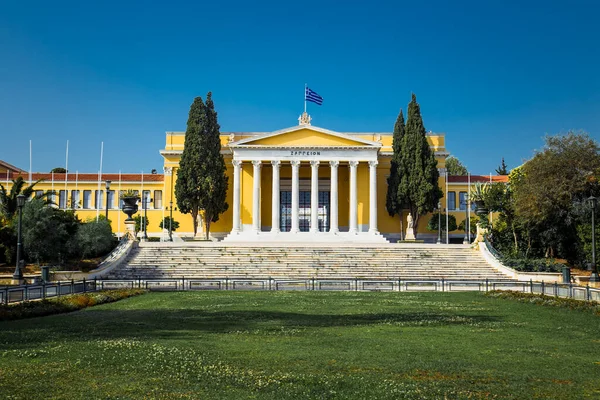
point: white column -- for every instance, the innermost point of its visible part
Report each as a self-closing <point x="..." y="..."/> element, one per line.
<point x="314" y="196"/>
<point x="333" y="214"/>
<point x="237" y="166"/>
<point x="353" y="198"/>
<point x="275" y="208"/>
<point x="256" y="197"/>
<point x="373" y="197"/>
<point x="295" y="195"/>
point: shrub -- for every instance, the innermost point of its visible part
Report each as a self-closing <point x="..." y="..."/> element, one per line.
<point x="95" y="239"/>
<point x="533" y="264"/>
<point x="59" y="305"/>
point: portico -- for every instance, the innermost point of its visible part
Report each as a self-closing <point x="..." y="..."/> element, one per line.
<point x="306" y="208"/>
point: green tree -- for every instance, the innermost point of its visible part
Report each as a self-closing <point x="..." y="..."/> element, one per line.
<point x="58" y="170"/>
<point x="140" y="222"/>
<point x="8" y="200"/>
<point x="418" y="189"/>
<point x="454" y="167"/>
<point x="563" y="173"/>
<point x="393" y="181"/>
<point x="502" y="169"/>
<point x="201" y="181"/>
<point x="432" y="225"/>
<point x="47" y="232"/>
<point x="214" y="184"/>
<point x="167" y="222"/>
<point x="95" y="238"/>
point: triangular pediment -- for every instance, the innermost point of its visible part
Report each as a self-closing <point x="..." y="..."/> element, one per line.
<point x="305" y="136"/>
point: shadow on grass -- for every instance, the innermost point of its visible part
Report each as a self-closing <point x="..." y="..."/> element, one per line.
<point x="186" y="323"/>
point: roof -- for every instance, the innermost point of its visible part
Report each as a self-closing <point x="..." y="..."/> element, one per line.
<point x="86" y="177"/>
<point x="9" y="167"/>
<point x="477" y="178"/>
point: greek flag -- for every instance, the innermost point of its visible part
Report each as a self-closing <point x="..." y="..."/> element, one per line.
<point x="311" y="95"/>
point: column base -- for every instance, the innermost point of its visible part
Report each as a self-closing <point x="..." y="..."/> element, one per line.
<point x="373" y="231"/>
<point x="306" y="237"/>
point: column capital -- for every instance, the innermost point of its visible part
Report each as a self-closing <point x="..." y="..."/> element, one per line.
<point x="314" y="163"/>
<point x="373" y="163"/>
<point x="168" y="171"/>
<point x="295" y="163"/>
<point x="353" y="163"/>
<point x="334" y="164"/>
<point x="236" y="163"/>
<point x="256" y="163"/>
<point x="276" y="163"/>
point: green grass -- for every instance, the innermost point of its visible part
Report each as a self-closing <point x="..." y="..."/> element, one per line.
<point x="291" y="345"/>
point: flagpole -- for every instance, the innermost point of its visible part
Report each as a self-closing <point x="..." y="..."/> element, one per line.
<point x="73" y="204"/>
<point x="447" y="231"/>
<point x="469" y="206"/>
<point x="119" y="214"/>
<point x="305" y="86"/>
<point x="67" y="177"/>
<point x="30" y="163"/>
<point x="99" y="178"/>
<point x="491" y="214"/>
<point x="53" y="195"/>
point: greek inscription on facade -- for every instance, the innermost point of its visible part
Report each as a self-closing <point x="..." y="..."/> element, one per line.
<point x="304" y="153"/>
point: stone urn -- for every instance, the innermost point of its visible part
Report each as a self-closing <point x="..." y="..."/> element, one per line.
<point x="480" y="208"/>
<point x="130" y="206"/>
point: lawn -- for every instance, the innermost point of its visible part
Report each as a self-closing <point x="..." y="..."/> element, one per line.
<point x="301" y="345"/>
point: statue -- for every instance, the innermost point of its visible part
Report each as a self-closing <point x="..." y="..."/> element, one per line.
<point x="304" y="119"/>
<point x="410" y="232"/>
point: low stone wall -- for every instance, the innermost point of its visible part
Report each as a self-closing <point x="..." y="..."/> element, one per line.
<point x="114" y="260"/>
<point x="518" y="275"/>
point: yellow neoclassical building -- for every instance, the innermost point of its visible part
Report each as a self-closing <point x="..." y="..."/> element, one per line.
<point x="302" y="183"/>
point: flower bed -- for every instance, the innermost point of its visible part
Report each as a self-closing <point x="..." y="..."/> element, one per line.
<point x="64" y="304"/>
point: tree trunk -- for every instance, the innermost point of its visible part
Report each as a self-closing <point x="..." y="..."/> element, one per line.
<point x="195" y="220"/>
<point x="514" y="232"/>
<point x="401" y="227"/>
<point x="207" y="220"/>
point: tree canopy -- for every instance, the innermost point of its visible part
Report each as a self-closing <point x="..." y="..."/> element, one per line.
<point x="393" y="181"/>
<point x="454" y="167"/>
<point x="418" y="190"/>
<point x="201" y="180"/>
<point x="502" y="169"/>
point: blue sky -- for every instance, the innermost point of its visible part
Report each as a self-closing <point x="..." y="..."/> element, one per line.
<point x="494" y="76"/>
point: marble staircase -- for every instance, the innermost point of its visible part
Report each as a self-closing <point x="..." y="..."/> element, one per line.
<point x="217" y="260"/>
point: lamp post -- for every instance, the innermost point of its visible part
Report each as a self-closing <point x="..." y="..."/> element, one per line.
<point x="439" y="239"/>
<point x="466" y="240"/>
<point x="18" y="275"/>
<point x="594" y="277"/>
<point x="171" y="221"/>
<point x="145" y="202"/>
<point x="107" y="192"/>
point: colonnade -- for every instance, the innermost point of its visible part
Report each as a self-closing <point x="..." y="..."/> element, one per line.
<point x="314" y="202"/>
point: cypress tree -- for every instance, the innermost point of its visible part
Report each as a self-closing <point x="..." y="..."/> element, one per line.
<point x="201" y="181"/>
<point x="214" y="184"/>
<point x="418" y="189"/>
<point x="189" y="175"/>
<point x="502" y="170"/>
<point x="393" y="181"/>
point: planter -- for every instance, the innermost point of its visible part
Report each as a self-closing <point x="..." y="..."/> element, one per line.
<point x="480" y="208"/>
<point x="130" y="206"/>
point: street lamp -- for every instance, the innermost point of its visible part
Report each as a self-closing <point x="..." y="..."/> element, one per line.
<point x="466" y="240"/>
<point x="145" y="201"/>
<point x="594" y="277"/>
<point x="107" y="192"/>
<point x="18" y="275"/>
<point x="171" y="221"/>
<point x="439" y="239"/>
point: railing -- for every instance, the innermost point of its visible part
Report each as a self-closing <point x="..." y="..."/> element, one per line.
<point x="15" y="294"/>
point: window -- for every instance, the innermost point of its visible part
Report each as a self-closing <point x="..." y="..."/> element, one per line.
<point x="39" y="193"/>
<point x="62" y="199"/>
<point x="87" y="199"/>
<point x="146" y="200"/>
<point x="451" y="201"/>
<point x="158" y="199"/>
<point x="99" y="199"/>
<point x="74" y="199"/>
<point x="462" y="199"/>
<point x="110" y="197"/>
